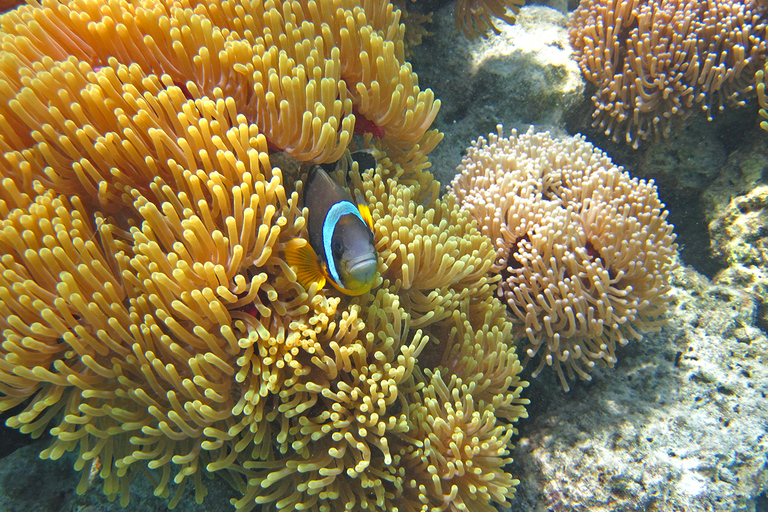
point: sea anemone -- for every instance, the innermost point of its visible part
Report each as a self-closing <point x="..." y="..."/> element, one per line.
<point x="655" y="63"/>
<point x="149" y="319"/>
<point x="584" y="251"/>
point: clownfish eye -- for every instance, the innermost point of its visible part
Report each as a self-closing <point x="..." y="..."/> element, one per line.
<point x="337" y="247"/>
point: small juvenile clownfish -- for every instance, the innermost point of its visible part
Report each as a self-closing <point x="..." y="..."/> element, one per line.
<point x="340" y="248"/>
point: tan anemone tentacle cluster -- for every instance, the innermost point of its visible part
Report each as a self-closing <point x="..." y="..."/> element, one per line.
<point x="428" y="253"/>
<point x="149" y="320"/>
<point x="762" y="97"/>
<point x="441" y="315"/>
<point x="146" y="313"/>
<point x="584" y="251"/>
<point x="655" y="63"/>
<point x="415" y="30"/>
<point x="476" y="17"/>
<point x="295" y="70"/>
<point x="340" y="442"/>
<point x="465" y="448"/>
<point x="438" y="263"/>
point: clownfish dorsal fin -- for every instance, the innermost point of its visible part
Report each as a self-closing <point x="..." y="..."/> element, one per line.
<point x="305" y="263"/>
<point x="362" y="206"/>
<point x="364" y="159"/>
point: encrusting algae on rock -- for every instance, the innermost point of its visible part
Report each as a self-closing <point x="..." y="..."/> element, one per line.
<point x="149" y="318"/>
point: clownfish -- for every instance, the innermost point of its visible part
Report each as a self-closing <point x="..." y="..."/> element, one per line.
<point x="340" y="248"/>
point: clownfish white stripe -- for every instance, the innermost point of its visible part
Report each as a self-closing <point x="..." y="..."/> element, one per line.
<point x="329" y="225"/>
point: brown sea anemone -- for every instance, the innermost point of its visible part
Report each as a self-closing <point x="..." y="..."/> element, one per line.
<point x="584" y="251"/>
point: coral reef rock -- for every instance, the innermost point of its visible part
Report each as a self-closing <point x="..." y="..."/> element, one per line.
<point x="744" y="168"/>
<point x="523" y="76"/>
<point x="679" y="425"/>
<point x="740" y="238"/>
<point x="736" y="207"/>
<point x="31" y="484"/>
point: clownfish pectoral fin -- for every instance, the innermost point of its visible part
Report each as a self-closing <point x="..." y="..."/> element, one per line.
<point x="306" y="265"/>
<point x="362" y="206"/>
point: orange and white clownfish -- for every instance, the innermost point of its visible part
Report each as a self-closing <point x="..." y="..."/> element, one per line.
<point x="340" y="248"/>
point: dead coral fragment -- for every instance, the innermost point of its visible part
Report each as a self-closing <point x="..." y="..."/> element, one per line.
<point x="584" y="250"/>
<point x="656" y="62"/>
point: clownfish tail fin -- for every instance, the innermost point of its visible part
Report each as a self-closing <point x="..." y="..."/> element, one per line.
<point x="302" y="258"/>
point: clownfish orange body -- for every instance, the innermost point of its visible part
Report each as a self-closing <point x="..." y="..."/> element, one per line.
<point x="341" y="248"/>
